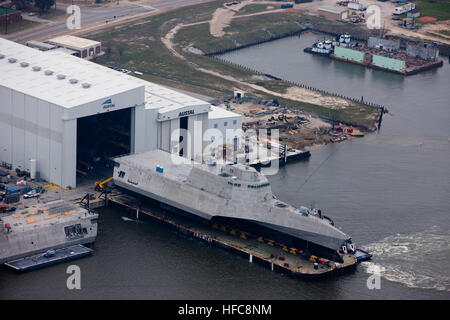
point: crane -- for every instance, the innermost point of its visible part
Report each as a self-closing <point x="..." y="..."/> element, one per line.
<point x="99" y="185"/>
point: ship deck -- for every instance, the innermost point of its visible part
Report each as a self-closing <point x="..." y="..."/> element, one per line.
<point x="42" y="214"/>
<point x="265" y="252"/>
<point x="40" y="260"/>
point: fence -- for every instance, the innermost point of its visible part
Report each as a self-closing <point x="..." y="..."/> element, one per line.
<point x="302" y="85"/>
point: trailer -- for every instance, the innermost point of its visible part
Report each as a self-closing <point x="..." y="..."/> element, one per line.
<point x="404" y="8"/>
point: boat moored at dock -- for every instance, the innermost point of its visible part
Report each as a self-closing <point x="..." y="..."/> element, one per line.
<point x="41" y="228"/>
<point x="379" y="53"/>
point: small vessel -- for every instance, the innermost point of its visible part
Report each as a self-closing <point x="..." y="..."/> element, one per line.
<point x="44" y="228"/>
<point x="326" y="47"/>
<point x="322" y="48"/>
<point x="230" y="194"/>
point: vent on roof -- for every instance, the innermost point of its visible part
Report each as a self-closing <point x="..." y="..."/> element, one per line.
<point x="2" y="56"/>
<point x="24" y="64"/>
<point x="86" y="85"/>
<point x="61" y="76"/>
<point x="12" y="60"/>
<point x="36" y="68"/>
<point x="48" y="72"/>
<point x="73" y="81"/>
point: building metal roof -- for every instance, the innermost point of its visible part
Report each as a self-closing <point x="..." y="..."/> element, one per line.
<point x="73" y="41"/>
<point x="40" y="45"/>
<point x="34" y="80"/>
<point x="4" y="11"/>
<point x="43" y="77"/>
<point x="221" y="113"/>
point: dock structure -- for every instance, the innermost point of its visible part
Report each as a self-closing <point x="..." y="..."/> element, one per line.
<point x="262" y="251"/>
<point x="49" y="258"/>
<point x="289" y="156"/>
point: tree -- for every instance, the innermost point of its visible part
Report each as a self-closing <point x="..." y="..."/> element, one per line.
<point x="43" y="5"/>
<point x="20" y="4"/>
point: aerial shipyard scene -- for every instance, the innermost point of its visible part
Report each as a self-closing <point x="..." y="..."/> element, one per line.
<point x="237" y="150"/>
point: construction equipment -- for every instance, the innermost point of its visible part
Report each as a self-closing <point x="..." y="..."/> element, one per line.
<point x="356" y="17"/>
<point x="100" y="185"/>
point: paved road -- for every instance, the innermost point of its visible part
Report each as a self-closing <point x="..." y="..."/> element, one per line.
<point x="90" y="16"/>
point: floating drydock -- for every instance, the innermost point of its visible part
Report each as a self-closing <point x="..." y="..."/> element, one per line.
<point x="381" y="54"/>
<point x="256" y="249"/>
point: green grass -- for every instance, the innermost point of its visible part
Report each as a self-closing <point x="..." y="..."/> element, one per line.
<point x="254" y="8"/>
<point x="198" y="36"/>
<point x="440" y="9"/>
<point x="444" y="32"/>
<point x="274" y="85"/>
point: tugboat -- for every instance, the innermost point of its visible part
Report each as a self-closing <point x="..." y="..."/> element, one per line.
<point x="323" y="48"/>
<point x="326" y="47"/>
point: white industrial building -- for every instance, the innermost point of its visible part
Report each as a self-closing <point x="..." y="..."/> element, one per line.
<point x="63" y="111"/>
<point x="228" y="123"/>
<point x="84" y="48"/>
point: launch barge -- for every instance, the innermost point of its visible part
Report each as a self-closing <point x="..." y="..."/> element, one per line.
<point x="232" y="206"/>
<point x="262" y="251"/>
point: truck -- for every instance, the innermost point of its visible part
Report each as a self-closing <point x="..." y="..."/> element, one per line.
<point x="404" y="8"/>
<point x="354" y="5"/>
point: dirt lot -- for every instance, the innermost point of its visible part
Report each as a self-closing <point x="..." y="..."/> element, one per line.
<point x="298" y="130"/>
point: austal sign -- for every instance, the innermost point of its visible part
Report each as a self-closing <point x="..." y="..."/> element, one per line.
<point x="186" y="113"/>
<point x="108" y="104"/>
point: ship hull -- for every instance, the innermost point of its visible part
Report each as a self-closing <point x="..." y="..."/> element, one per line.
<point x="294" y="237"/>
<point x="52" y="225"/>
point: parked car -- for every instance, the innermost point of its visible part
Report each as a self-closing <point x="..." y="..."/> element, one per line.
<point x="31" y="14"/>
<point x="5" y="208"/>
<point x="32" y="194"/>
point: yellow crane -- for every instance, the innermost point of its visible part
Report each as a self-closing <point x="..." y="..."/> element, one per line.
<point x="99" y="185"/>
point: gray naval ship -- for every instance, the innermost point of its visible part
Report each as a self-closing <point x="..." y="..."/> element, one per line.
<point x="233" y="194"/>
<point x="43" y="227"/>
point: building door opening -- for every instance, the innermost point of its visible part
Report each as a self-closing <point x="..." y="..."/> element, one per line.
<point x="183" y="135"/>
<point x="99" y="138"/>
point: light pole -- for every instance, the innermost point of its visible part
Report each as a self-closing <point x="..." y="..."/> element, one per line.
<point x="6" y="20"/>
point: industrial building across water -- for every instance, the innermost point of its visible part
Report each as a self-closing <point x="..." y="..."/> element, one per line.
<point x="60" y="112"/>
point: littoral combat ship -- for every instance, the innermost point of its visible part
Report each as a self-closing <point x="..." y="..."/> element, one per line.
<point x="45" y="234"/>
<point x="231" y="194"/>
